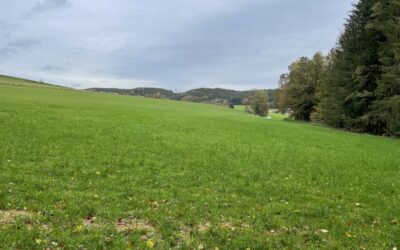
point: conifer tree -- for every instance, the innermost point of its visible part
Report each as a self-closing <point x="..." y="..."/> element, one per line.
<point x="386" y="110"/>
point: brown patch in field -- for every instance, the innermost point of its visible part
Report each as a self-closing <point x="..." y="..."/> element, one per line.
<point x="123" y="225"/>
<point x="273" y="232"/>
<point x="245" y="226"/>
<point x="228" y="225"/>
<point x="10" y="216"/>
<point x="303" y="231"/>
<point x="225" y="224"/>
<point x="45" y="227"/>
<point x="185" y="234"/>
<point x="89" y="222"/>
<point x="204" y="226"/>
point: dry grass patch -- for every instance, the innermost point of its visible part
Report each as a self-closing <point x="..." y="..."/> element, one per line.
<point x="123" y="225"/>
<point x="304" y="231"/>
<point x="230" y="226"/>
<point x="227" y="225"/>
<point x="186" y="234"/>
<point x="10" y="216"/>
<point x="204" y="226"/>
<point x="90" y="223"/>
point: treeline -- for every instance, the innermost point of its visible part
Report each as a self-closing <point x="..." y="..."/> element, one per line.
<point x="215" y="95"/>
<point x="220" y="96"/>
<point x="357" y="85"/>
<point x="146" y="92"/>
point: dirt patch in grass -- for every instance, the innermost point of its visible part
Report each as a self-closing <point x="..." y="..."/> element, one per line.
<point x="45" y="227"/>
<point x="185" y="234"/>
<point x="91" y="223"/>
<point x="230" y="226"/>
<point x="273" y="232"/>
<point x="204" y="226"/>
<point x="8" y="217"/>
<point x="227" y="225"/>
<point x="304" y="231"/>
<point x="123" y="225"/>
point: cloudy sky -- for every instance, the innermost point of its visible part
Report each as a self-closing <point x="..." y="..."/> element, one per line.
<point x="175" y="44"/>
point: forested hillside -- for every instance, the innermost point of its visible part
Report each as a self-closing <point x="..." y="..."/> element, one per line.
<point x="357" y="85"/>
<point x="147" y="92"/>
<point x="205" y="95"/>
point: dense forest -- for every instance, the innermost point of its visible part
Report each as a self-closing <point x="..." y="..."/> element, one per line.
<point x="357" y="85"/>
<point x="205" y="95"/>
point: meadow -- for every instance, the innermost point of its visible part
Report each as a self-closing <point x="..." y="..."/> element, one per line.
<point x="84" y="170"/>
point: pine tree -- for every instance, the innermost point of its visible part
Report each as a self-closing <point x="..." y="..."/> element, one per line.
<point x="357" y="86"/>
<point x="386" y="110"/>
<point x="360" y="66"/>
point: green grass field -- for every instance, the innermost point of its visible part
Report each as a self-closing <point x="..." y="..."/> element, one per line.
<point x="274" y="116"/>
<point x="82" y="170"/>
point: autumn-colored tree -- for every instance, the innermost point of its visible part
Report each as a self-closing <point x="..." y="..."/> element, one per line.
<point x="258" y="100"/>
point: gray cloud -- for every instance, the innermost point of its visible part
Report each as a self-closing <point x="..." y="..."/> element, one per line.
<point x="240" y="44"/>
<point x="46" y="5"/>
<point x="50" y="67"/>
<point x="17" y="46"/>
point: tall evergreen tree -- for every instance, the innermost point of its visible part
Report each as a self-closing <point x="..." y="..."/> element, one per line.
<point x="386" y="115"/>
<point x="357" y="86"/>
<point x="357" y="68"/>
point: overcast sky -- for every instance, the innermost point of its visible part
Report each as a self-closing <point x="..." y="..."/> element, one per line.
<point x="175" y="44"/>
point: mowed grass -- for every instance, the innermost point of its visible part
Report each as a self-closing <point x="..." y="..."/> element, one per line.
<point x="272" y="115"/>
<point x="82" y="170"/>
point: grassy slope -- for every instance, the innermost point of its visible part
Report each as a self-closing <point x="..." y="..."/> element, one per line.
<point x="258" y="183"/>
<point x="9" y="80"/>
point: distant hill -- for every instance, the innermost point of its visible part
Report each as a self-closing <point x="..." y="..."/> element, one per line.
<point x="147" y="92"/>
<point x="10" y="80"/>
<point x="217" y="95"/>
<point x="204" y="95"/>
